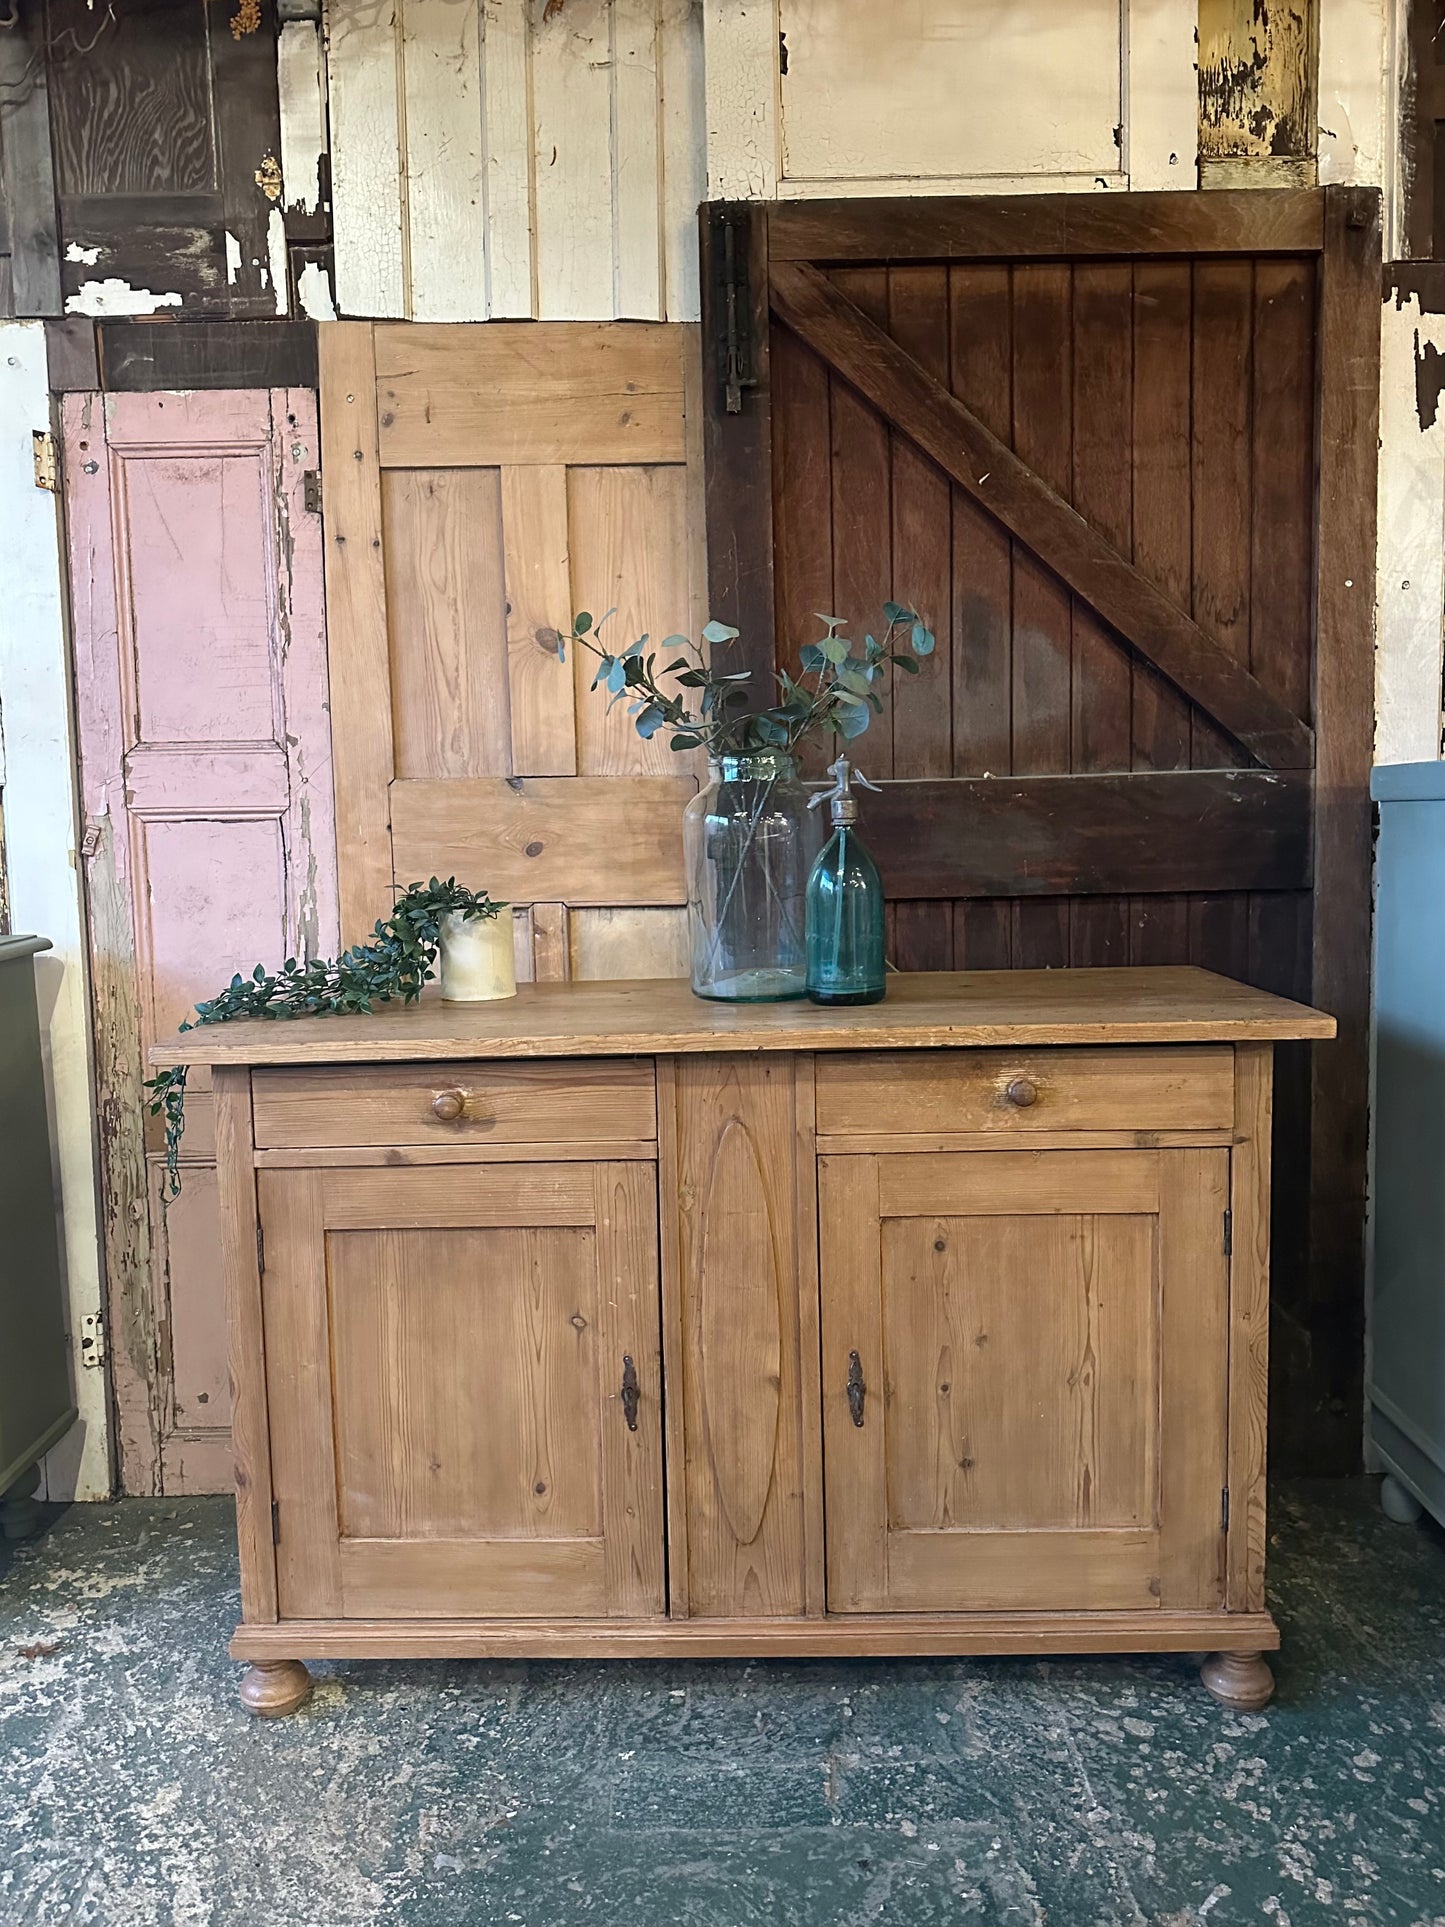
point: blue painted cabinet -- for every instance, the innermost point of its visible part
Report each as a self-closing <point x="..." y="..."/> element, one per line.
<point x="1407" y="1316"/>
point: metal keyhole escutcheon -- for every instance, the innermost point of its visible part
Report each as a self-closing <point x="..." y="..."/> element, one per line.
<point x="857" y="1390"/>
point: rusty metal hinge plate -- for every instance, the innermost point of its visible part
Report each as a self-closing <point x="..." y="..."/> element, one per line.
<point x="92" y="1342"/>
<point x="47" y="464"/>
<point x="311" y="491"/>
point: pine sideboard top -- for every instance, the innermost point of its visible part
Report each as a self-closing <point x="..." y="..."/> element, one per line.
<point x="923" y="1010"/>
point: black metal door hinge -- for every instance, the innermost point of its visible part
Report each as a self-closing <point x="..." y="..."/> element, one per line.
<point x="1224" y="1510"/>
<point x="260" y="1249"/>
<point x="275" y="1522"/>
<point x="1229" y="1234"/>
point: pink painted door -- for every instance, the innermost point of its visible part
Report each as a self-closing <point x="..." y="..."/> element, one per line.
<point x="209" y="842"/>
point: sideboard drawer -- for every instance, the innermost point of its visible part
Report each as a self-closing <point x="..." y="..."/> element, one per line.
<point x="895" y="1093"/>
<point x="572" y="1101"/>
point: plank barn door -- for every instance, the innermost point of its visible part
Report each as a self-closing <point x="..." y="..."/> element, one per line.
<point x="207" y="842"/>
<point x="1081" y="433"/>
<point x="481" y="484"/>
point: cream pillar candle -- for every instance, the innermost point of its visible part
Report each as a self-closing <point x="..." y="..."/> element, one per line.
<point x="476" y="957"/>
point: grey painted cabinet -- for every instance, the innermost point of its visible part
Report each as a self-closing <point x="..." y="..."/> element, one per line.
<point x="1407" y="1320"/>
<point x="36" y="1406"/>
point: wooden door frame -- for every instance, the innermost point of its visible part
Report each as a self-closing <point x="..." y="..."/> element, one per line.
<point x="1325" y="816"/>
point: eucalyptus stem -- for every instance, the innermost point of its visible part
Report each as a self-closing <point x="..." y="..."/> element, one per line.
<point x="391" y="966"/>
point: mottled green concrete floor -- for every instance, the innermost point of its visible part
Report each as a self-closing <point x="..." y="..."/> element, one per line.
<point x="135" y="1793"/>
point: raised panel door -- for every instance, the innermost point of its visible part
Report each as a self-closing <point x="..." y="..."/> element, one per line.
<point x="1025" y="1372"/>
<point x="464" y="1390"/>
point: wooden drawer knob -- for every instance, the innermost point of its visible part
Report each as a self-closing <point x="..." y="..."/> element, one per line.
<point x="449" y="1105"/>
<point x="1022" y="1091"/>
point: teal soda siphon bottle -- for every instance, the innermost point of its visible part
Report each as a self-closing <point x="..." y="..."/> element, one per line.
<point x="844" y="917"/>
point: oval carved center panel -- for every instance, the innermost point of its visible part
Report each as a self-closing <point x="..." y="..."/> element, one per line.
<point x="739" y="1310"/>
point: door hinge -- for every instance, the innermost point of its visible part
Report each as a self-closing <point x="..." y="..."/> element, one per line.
<point x="311" y="490"/>
<point x="260" y="1249"/>
<point x="92" y="1341"/>
<point x="275" y="1522"/>
<point x="1224" y="1509"/>
<point x="46" y="467"/>
<point x="1229" y="1234"/>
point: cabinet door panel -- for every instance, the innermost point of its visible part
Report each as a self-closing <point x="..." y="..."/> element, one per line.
<point x="448" y="1432"/>
<point x="1043" y="1359"/>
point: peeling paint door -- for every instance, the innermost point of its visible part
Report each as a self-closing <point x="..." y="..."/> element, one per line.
<point x="208" y="838"/>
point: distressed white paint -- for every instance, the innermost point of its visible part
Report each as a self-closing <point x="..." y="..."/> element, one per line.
<point x="509" y="158"/>
<point x="276" y="259"/>
<point x="301" y="92"/>
<point x="41" y="856"/>
<point x="1354" y="39"/>
<point x="116" y="297"/>
<point x="947" y="88"/>
<point x="313" y="293"/>
<point x="948" y="97"/>
<point x="1161" y="95"/>
<point x="740" y="61"/>
<point x="684" y="178"/>
<point x="1410" y="575"/>
<point x="233" y="258"/>
<point x="87" y="257"/>
<point x="441" y="83"/>
<point x="368" y="184"/>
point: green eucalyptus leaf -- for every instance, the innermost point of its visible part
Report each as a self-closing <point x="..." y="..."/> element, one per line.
<point x="922" y="639"/>
<point x="895" y="612"/>
<point x="581" y="624"/>
<point x="720" y="632"/>
<point x="835" y="648"/>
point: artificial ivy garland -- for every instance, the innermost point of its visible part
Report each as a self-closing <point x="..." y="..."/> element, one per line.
<point x="393" y="964"/>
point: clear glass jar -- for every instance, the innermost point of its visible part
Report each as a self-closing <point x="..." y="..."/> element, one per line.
<point x="750" y="841"/>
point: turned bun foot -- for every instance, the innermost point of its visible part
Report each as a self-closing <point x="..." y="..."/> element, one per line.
<point x="1398" y="1502"/>
<point x="276" y="1689"/>
<point x="1240" y="1680"/>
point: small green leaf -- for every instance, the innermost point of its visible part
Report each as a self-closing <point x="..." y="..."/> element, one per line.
<point x="895" y="612"/>
<point x="922" y="640"/>
<point x="582" y="624"/>
<point x="720" y="632"/>
<point x="835" y="648"/>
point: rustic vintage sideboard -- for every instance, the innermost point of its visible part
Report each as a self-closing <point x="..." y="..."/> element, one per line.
<point x="606" y="1321"/>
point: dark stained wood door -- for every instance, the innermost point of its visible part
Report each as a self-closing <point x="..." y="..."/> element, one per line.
<point x="1081" y="434"/>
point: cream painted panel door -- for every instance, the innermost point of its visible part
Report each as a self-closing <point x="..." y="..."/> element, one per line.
<point x="200" y="672"/>
<point x="1025" y="1369"/>
<point x="464" y="1390"/>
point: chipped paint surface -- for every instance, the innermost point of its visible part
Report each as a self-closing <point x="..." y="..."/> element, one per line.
<point x="1256" y="79"/>
<point x="313" y="291"/>
<point x="276" y="258"/>
<point x="1410" y="574"/>
<point x="115" y="297"/>
<point x="87" y="257"/>
<point x="233" y="258"/>
<point x="1016" y="1793"/>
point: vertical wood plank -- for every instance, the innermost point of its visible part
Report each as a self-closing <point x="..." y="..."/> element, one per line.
<point x="1101" y="492"/>
<point x="301" y="91"/>
<point x="801" y="485"/>
<point x="369" y="214"/>
<point x="357" y="649"/>
<point x="628" y="543"/>
<point x="861" y="461"/>
<point x="674" y="1350"/>
<point x="981" y="374"/>
<point x="1161" y="99"/>
<point x="1042" y="385"/>
<point x="633" y="1546"/>
<point x="445" y="193"/>
<point x="855" y="1475"/>
<point x="918" y="716"/>
<point x="250" y="1427"/>
<point x="741" y="64"/>
<point x="551" y="946"/>
<point x="1249" y="1328"/>
<point x="1162" y="549"/>
<point x="28" y="167"/>
<point x="1194" y="1377"/>
<point x="297" y="1330"/>
<point x="510" y="159"/>
<point x="684" y="152"/>
<point x="810" y="1408"/>
<point x="447" y="621"/>
<point x="572" y="132"/>
<point x="538" y="576"/>
<point x="1349" y="349"/>
<point x="636" y="162"/>
<point x="738" y="444"/>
